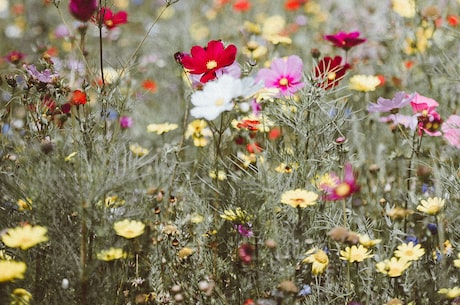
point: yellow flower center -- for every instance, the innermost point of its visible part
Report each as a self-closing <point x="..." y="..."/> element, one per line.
<point x="284" y="81"/>
<point x="331" y="75"/>
<point x="343" y="189"/>
<point x="109" y="23"/>
<point x="211" y="64"/>
<point x="298" y="201"/>
<point x="219" y="102"/>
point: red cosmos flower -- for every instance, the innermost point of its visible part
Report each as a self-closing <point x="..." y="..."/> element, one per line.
<point x="251" y="125"/>
<point x="329" y="71"/>
<point x="345" y="40"/>
<point x="207" y="60"/>
<point x="242" y="5"/>
<point x="111" y="20"/>
<point x="78" y="98"/>
<point x="343" y="188"/>
<point x="83" y="9"/>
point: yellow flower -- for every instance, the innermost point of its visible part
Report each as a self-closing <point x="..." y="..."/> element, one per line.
<point x="409" y="251"/>
<point x="398" y="213"/>
<point x="286" y="168"/>
<point x="404" y="8"/>
<point x="161" y="128"/>
<point x="5" y="256"/>
<point x="199" y="131"/>
<point x="367" y="242"/>
<point x="364" y="83"/>
<point x="185" y="252"/>
<point x="25" y="237"/>
<point x="111" y="254"/>
<point x="138" y="150"/>
<point x="271" y="29"/>
<point x="129" y="228"/>
<point x="221" y="175"/>
<point x="11" y="270"/>
<point x="319" y="260"/>
<point x="450" y="293"/>
<point x="299" y="198"/>
<point x="355" y="254"/>
<point x="24" y="204"/>
<point x="238" y="215"/>
<point x="196" y="218"/>
<point x="431" y="206"/>
<point x="20" y="296"/>
<point x="393" y="267"/>
<point x="70" y="157"/>
<point x="457" y="261"/>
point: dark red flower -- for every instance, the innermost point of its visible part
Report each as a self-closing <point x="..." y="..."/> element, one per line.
<point x="83" y="9"/>
<point x="329" y="71"/>
<point x="78" y="98"/>
<point x="207" y="60"/>
<point x="14" y="57"/>
<point x="345" y="40"/>
<point x="112" y="20"/>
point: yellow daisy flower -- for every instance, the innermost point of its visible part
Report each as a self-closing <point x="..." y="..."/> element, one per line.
<point x="161" y="128"/>
<point x="393" y="267"/>
<point x="366" y="241"/>
<point x="409" y="251"/>
<point x="364" y="83"/>
<point x="450" y="293"/>
<point x="129" y="228"/>
<point x="299" y="198"/>
<point x="457" y="261"/>
<point x="355" y="254"/>
<point x="138" y="150"/>
<point x="431" y="206"/>
<point x="319" y="260"/>
<point x="11" y="270"/>
<point x="25" y="237"/>
<point x="111" y="254"/>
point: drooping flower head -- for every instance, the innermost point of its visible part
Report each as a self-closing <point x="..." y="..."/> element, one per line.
<point x="206" y="61"/>
<point x="284" y="74"/>
<point x="344" y="188"/>
<point x="329" y="71"/>
<point x="83" y="9"/>
<point x="345" y="40"/>
<point x="110" y="19"/>
<point x="451" y="130"/>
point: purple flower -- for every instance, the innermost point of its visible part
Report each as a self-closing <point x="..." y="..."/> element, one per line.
<point x="126" y="122"/>
<point x="244" y="230"/>
<point x="345" y="40"/>
<point x="46" y="76"/>
<point x="400" y="100"/>
<point x="83" y="9"/>
<point x="284" y="74"/>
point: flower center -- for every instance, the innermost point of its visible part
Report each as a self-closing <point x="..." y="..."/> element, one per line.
<point x="109" y="23"/>
<point x="284" y="81"/>
<point x="331" y="75"/>
<point x="211" y="64"/>
<point x="219" y="102"/>
<point x="343" y="190"/>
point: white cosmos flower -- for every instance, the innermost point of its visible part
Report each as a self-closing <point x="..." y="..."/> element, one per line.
<point x="216" y="97"/>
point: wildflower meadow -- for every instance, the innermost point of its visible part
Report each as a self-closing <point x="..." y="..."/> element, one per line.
<point x="230" y="152"/>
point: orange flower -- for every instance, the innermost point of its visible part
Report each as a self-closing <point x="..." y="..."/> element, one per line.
<point x="453" y="20"/>
<point x="242" y="5"/>
<point x="78" y="98"/>
<point x="149" y="85"/>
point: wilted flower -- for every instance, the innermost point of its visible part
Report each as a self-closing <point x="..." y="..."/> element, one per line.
<point x="364" y="83"/>
<point x="111" y="254"/>
<point x="299" y="198"/>
<point x="11" y="270"/>
<point x="409" y="252"/>
<point x="83" y="9"/>
<point x="319" y="260"/>
<point x="345" y="40"/>
<point x="393" y="267"/>
<point x="431" y="206"/>
<point x="355" y="254"/>
<point x="24" y="237"/>
<point x="129" y="228"/>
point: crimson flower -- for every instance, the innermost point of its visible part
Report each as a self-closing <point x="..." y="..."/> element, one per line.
<point x="78" y="98"/>
<point x="245" y="252"/>
<point x="82" y="9"/>
<point x="15" y="57"/>
<point x="206" y="61"/>
<point x="345" y="40"/>
<point x="329" y="71"/>
<point x="343" y="188"/>
<point x="112" y="20"/>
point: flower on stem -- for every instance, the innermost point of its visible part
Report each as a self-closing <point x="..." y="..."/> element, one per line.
<point x="129" y="228"/>
<point x="46" y="76"/>
<point x="355" y="254"/>
<point x="319" y="260"/>
<point x="20" y="296"/>
<point x="409" y="251"/>
<point x="367" y="242"/>
<point x="364" y="83"/>
<point x="284" y="74"/>
<point x="112" y="20"/>
<point x="451" y="130"/>
<point x="329" y="71"/>
<point x="163" y="128"/>
<point x="393" y="267"/>
<point x="299" y="198"/>
<point x="199" y="131"/>
<point x="83" y="9"/>
<point x="431" y="206"/>
<point x="125" y="122"/>
<point x="426" y="118"/>
<point x="11" y="270"/>
<point x="78" y="98"/>
<point x="24" y="237"/>
<point x="343" y="188"/>
<point x="111" y="254"/>
<point x="206" y="61"/>
<point x="14" y="57"/>
<point x="345" y="40"/>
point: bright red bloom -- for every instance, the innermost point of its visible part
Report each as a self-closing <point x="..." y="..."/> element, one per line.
<point x="207" y="60"/>
<point x="78" y="98"/>
<point x="453" y="20"/>
<point x="292" y="5"/>
<point x="242" y="5"/>
<point x="111" y="20"/>
<point x="149" y="85"/>
<point x="343" y="188"/>
<point x="345" y="40"/>
<point x="254" y="148"/>
<point x="329" y="71"/>
<point x="83" y="9"/>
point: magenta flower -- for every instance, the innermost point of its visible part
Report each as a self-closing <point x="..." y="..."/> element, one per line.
<point x="125" y="122"/>
<point x="400" y="100"/>
<point x="428" y="120"/>
<point x="345" y="40"/>
<point x="244" y="230"/>
<point x="110" y="19"/>
<point x="344" y="188"/>
<point x="284" y="74"/>
<point x="83" y="9"/>
<point x="451" y="130"/>
<point x="245" y="253"/>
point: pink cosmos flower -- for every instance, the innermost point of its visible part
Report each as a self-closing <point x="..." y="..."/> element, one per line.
<point x="345" y="40"/>
<point x="207" y="61"/>
<point x="284" y="74"/>
<point x="451" y="130"/>
<point x="428" y="120"/>
<point x="343" y="188"/>
<point x="112" y="20"/>
<point x="83" y="9"/>
<point x="400" y="100"/>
